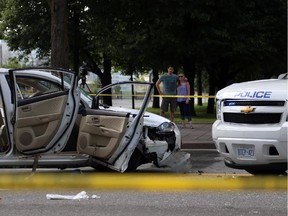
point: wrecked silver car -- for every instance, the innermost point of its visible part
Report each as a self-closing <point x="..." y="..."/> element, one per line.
<point x="47" y="120"/>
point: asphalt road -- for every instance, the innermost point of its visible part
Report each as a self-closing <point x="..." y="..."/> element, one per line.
<point x="206" y="161"/>
<point x="126" y="203"/>
<point x="216" y="202"/>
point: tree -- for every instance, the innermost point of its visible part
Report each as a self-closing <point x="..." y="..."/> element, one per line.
<point x="20" y="29"/>
<point x="230" y="40"/>
<point x="59" y="33"/>
<point x="237" y="40"/>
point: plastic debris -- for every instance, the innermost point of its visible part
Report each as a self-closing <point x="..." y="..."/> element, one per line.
<point x="95" y="196"/>
<point x="79" y="196"/>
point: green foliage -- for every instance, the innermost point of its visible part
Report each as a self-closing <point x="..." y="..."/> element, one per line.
<point x="229" y="39"/>
<point x="26" y="25"/>
<point x="94" y="87"/>
<point x="14" y="63"/>
<point x="117" y="89"/>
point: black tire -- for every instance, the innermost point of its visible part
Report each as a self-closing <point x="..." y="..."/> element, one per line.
<point x="135" y="161"/>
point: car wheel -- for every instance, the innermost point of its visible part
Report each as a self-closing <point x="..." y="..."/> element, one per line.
<point x="266" y="172"/>
<point x="135" y="161"/>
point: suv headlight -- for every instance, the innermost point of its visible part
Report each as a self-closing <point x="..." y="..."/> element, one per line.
<point x="166" y="127"/>
<point x="218" y="109"/>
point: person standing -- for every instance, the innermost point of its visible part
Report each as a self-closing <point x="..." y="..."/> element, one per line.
<point x="183" y="89"/>
<point x="169" y="81"/>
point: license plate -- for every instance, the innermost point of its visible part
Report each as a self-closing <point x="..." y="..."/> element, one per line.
<point x="245" y="152"/>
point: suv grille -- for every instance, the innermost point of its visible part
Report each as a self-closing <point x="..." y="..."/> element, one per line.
<point x="252" y="118"/>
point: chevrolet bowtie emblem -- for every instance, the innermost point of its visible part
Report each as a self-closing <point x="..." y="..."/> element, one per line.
<point x="247" y="109"/>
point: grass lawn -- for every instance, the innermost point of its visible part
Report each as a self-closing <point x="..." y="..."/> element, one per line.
<point x="201" y="115"/>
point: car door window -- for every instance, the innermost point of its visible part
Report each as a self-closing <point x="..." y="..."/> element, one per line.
<point x="29" y="87"/>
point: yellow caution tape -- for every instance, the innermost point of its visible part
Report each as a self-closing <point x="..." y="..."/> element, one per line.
<point x="139" y="181"/>
<point x="142" y="95"/>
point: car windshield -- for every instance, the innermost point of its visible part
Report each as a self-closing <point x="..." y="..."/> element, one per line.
<point x="85" y="93"/>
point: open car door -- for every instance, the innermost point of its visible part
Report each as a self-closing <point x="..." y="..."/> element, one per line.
<point x="110" y="137"/>
<point x="44" y="112"/>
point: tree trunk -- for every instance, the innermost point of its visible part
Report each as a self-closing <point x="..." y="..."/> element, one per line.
<point x="224" y="76"/>
<point x="199" y="87"/>
<point x="93" y="66"/>
<point x="106" y="80"/>
<point x="189" y="71"/>
<point x="59" y="34"/>
<point x="156" y="100"/>
<point x="212" y="88"/>
<point x="132" y="91"/>
<point x="76" y="39"/>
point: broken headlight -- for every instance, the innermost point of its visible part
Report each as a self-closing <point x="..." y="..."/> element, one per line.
<point x="166" y="127"/>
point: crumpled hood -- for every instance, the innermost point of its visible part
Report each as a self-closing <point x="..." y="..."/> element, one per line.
<point x="272" y="89"/>
<point x="150" y="119"/>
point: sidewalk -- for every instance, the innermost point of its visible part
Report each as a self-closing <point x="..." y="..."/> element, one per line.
<point x="198" y="138"/>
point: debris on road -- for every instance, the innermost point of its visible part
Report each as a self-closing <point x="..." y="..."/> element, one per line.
<point x="79" y="196"/>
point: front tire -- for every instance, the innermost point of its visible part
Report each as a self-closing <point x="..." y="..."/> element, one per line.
<point x="135" y="161"/>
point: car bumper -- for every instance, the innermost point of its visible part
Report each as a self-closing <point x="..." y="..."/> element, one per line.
<point x="268" y="143"/>
<point x="261" y="167"/>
